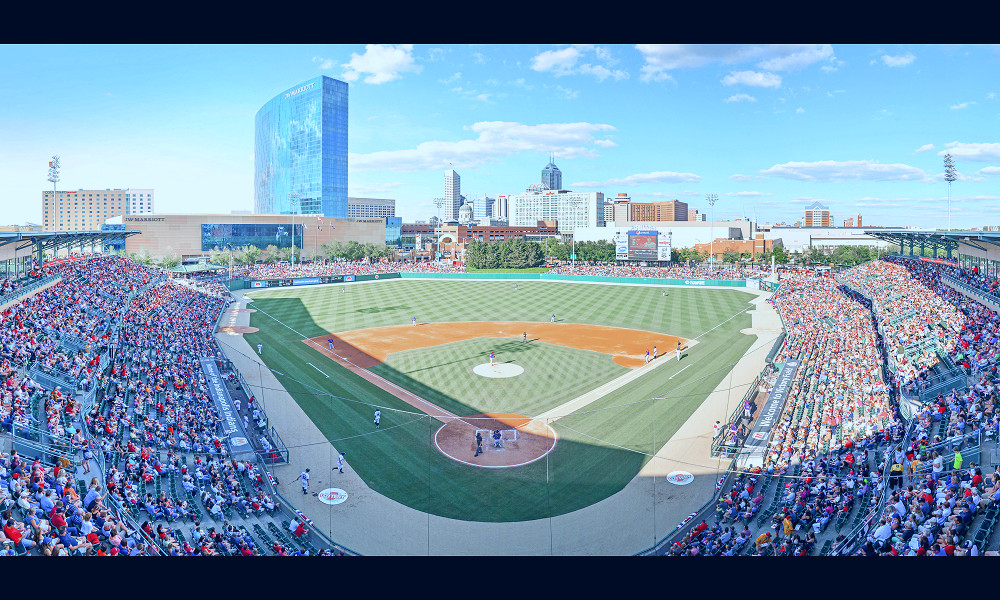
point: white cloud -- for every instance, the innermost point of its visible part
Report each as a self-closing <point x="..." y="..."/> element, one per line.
<point x="897" y="61"/>
<point x="799" y="110"/>
<point x="452" y="79"/>
<point x="435" y="54"/>
<point x="570" y="94"/>
<point x="564" y="61"/>
<point x="324" y="63"/>
<point x="741" y="98"/>
<point x="741" y="178"/>
<point x="560" y="61"/>
<point x="746" y="194"/>
<point x="381" y="63"/>
<point x="924" y="148"/>
<point x="753" y="78"/>
<point x="960" y="106"/>
<point x="605" y="144"/>
<point x="495" y="139"/>
<point x="662" y="58"/>
<point x="854" y="170"/>
<point x="990" y="171"/>
<point x="976" y="152"/>
<point x="642" y="178"/>
<point x="479" y="58"/>
<point x="991" y="96"/>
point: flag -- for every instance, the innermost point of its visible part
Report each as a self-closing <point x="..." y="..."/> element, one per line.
<point x="686" y="521"/>
<point x="305" y="519"/>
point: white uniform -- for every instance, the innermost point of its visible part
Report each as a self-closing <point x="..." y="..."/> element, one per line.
<point x="259" y="348"/>
<point x="304" y="476"/>
<point x="378" y="417"/>
<point x="340" y="462"/>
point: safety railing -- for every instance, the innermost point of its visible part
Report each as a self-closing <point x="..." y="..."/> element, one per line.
<point x="28" y="288"/>
<point x="732" y="447"/>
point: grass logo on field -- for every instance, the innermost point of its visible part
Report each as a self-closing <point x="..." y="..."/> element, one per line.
<point x="332" y="496"/>
<point x="680" y="477"/>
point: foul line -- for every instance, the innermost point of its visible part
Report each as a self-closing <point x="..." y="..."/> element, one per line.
<point x="318" y="369"/>
<point x="678" y="372"/>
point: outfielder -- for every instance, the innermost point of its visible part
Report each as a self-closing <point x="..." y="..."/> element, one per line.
<point x="378" y="417"/>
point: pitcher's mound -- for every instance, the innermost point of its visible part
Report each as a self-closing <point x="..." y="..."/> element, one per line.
<point x="533" y="439"/>
<point x="498" y="370"/>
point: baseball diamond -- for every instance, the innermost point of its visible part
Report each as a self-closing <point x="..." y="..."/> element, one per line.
<point x="594" y="412"/>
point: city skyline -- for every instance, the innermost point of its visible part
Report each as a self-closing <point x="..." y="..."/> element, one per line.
<point x="771" y="129"/>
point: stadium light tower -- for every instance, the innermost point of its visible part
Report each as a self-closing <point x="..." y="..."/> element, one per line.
<point x="294" y="199"/>
<point x="54" y="174"/>
<point x="949" y="175"/>
<point x="712" y="199"/>
<point x="575" y="204"/>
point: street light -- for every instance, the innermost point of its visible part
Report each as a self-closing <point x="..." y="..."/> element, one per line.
<point x="712" y="199"/>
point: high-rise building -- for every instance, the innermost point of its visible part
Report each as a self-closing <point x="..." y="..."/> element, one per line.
<point x="452" y="195"/>
<point x="87" y="210"/>
<point x="623" y="210"/>
<point x="371" y="207"/>
<point x="482" y="206"/>
<point x="570" y="209"/>
<point x="817" y="215"/>
<point x="300" y="149"/>
<point x="552" y="176"/>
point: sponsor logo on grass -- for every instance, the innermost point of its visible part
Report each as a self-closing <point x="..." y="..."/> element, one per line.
<point x="332" y="496"/>
<point x="680" y="477"/>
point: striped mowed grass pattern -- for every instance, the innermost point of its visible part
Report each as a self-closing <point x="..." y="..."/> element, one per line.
<point x="601" y="447"/>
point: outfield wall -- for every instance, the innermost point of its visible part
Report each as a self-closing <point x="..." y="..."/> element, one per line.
<point x="270" y="283"/>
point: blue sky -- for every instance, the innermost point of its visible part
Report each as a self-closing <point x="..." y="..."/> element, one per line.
<point x="860" y="128"/>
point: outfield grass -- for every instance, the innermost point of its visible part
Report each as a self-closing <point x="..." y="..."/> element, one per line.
<point x="601" y="448"/>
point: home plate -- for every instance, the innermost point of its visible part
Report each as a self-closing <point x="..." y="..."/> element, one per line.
<point x="498" y="370"/>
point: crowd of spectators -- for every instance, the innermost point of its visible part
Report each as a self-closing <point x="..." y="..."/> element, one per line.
<point x="286" y="271"/>
<point x="916" y="322"/>
<point x="151" y="411"/>
<point x="723" y="273"/>
<point x="838" y="396"/>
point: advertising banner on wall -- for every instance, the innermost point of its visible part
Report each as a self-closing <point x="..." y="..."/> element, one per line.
<point x="756" y="442"/>
<point x="663" y="247"/>
<point x="231" y="427"/>
<point x="621" y="246"/>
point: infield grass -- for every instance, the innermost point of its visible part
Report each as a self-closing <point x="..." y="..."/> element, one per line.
<point x="601" y="447"/>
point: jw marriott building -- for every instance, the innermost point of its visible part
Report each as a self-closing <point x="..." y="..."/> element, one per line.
<point x="300" y="150"/>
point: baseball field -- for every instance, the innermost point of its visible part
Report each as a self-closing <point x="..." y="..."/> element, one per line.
<point x="580" y="408"/>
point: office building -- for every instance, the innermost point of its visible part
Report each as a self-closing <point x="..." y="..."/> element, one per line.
<point x="570" y="209"/>
<point x="817" y="215"/>
<point x="552" y="176"/>
<point x="482" y="206"/>
<point x="300" y="150"/>
<point x="87" y="210"/>
<point x="364" y="208"/>
<point x="452" y="195"/>
<point x="192" y="236"/>
<point x="623" y="210"/>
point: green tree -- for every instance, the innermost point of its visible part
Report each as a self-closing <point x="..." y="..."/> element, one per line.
<point x="251" y="254"/>
<point x="780" y="256"/>
<point x="730" y="256"/>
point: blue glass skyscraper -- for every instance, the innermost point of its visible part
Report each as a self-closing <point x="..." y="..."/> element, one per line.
<point x="300" y="147"/>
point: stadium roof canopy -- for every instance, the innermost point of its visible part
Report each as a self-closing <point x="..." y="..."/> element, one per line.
<point x="40" y="241"/>
<point x="938" y="239"/>
<point x="196" y="268"/>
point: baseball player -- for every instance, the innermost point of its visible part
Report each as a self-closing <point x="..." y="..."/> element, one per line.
<point x="330" y="342"/>
<point x="414" y="321"/>
<point x="496" y="438"/>
<point x="491" y="358"/>
<point x="664" y="293"/>
<point x="654" y="352"/>
<point x="515" y="287"/>
<point x="678" y="351"/>
<point x="715" y="430"/>
<point x="524" y="337"/>
<point x="340" y="462"/>
<point x="647" y="356"/>
<point x="259" y="348"/>
<point x="553" y="319"/>
<point x="304" y="476"/>
<point x="378" y="417"/>
<point x="343" y="290"/>
<point x="479" y="444"/>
